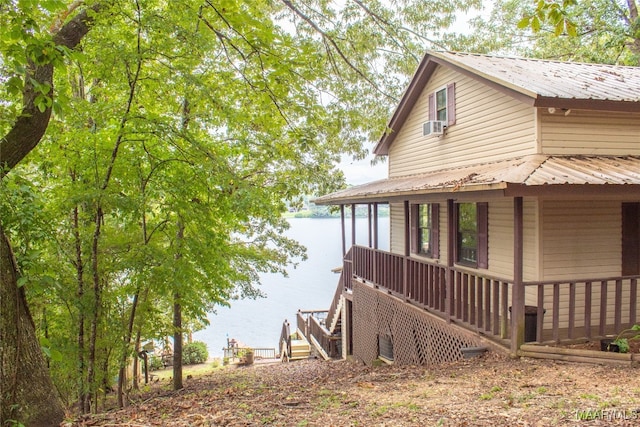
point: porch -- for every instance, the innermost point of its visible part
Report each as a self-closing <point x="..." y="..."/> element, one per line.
<point x="482" y="303"/>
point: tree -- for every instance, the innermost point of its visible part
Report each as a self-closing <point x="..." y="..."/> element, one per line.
<point x="276" y="91"/>
<point x="598" y="31"/>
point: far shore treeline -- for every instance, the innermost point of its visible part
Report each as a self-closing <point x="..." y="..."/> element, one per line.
<point x="309" y="210"/>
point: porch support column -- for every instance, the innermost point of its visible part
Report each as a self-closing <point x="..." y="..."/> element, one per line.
<point x="451" y="239"/>
<point x="353" y="224"/>
<point x="407" y="249"/>
<point x="344" y="241"/>
<point x="375" y="226"/>
<point x="517" y="294"/>
<point x="369" y="224"/>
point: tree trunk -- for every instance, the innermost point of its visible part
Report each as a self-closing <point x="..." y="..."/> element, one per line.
<point x="177" y="342"/>
<point x="26" y="390"/>
<point x="177" y="322"/>
<point x="124" y="357"/>
<point x="95" y="315"/>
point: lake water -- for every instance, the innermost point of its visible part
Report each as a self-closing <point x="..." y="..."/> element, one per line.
<point x="311" y="286"/>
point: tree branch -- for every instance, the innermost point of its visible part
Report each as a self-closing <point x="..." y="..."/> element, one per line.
<point x="30" y="126"/>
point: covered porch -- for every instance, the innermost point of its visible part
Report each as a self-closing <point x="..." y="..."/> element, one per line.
<point x="504" y="308"/>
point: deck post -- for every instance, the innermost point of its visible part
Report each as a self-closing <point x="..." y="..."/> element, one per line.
<point x="407" y="249"/>
<point x="344" y="243"/>
<point x="451" y="236"/>
<point x="370" y="224"/>
<point x="517" y="295"/>
<point x="375" y="225"/>
<point x="353" y="224"/>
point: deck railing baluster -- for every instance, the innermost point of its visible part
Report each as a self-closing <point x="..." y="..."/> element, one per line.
<point x="587" y="309"/>
<point x="618" y="306"/>
<point x="603" y="307"/>
<point x="556" y="312"/>
<point x="572" y="309"/>
<point x="504" y="297"/>
<point x="633" y="300"/>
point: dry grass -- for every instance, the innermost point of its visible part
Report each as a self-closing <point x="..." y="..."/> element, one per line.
<point x="490" y="391"/>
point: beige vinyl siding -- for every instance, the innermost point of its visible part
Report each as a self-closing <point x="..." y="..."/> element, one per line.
<point x="590" y="133"/>
<point x="581" y="239"/>
<point x="489" y="126"/>
<point x="397" y="228"/>
<point x="501" y="242"/>
<point x="396" y="223"/>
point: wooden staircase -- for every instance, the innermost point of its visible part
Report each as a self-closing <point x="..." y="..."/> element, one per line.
<point x="300" y="347"/>
<point x="293" y="346"/>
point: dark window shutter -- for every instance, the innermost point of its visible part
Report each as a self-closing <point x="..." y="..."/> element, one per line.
<point x="630" y="239"/>
<point x="414" y="228"/>
<point x="483" y="235"/>
<point x="435" y="231"/>
<point x="432" y="106"/>
<point x="451" y="104"/>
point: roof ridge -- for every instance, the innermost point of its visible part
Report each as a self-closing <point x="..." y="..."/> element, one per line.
<point x="525" y="58"/>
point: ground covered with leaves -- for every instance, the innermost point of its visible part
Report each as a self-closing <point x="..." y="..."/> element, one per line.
<point x="492" y="390"/>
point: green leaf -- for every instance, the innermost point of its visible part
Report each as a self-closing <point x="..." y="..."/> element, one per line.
<point x="559" y="28"/>
<point x="535" y="24"/>
<point x="524" y="22"/>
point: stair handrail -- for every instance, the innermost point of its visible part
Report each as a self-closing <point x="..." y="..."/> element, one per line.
<point x="285" y="340"/>
<point x="342" y="285"/>
<point x="332" y="313"/>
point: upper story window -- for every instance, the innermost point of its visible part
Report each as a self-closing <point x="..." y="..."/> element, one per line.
<point x="472" y="228"/>
<point x="425" y="229"/>
<point x="442" y="104"/>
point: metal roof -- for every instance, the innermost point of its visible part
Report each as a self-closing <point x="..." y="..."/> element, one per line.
<point x="529" y="171"/>
<point x="553" y="79"/>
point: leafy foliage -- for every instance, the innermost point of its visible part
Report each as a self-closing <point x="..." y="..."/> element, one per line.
<point x="598" y="31"/>
<point x="195" y="352"/>
<point x="196" y="116"/>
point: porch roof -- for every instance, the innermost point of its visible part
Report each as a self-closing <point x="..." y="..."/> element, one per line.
<point x="527" y="175"/>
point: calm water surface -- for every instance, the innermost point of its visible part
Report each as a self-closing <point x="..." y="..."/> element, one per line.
<point x="257" y="323"/>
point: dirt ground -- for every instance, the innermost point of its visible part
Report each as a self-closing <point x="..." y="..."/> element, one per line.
<point x="492" y="390"/>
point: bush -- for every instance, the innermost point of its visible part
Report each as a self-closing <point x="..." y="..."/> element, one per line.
<point x="154" y="363"/>
<point x="194" y="352"/>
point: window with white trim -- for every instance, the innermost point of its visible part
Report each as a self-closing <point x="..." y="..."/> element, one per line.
<point x="442" y="104"/>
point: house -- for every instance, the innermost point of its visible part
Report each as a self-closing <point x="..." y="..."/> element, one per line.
<point x="514" y="196"/>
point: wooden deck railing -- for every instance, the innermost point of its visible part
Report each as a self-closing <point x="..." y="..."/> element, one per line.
<point x="480" y="302"/>
<point x="259" y="353"/>
<point x="347" y="270"/>
<point x="565" y="310"/>
<point x="333" y="309"/>
<point x="585" y="308"/>
<point x="312" y="323"/>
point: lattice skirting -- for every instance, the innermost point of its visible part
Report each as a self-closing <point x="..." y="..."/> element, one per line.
<point x="418" y="338"/>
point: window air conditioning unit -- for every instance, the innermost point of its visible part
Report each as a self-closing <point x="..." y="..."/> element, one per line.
<point x="433" y="127"/>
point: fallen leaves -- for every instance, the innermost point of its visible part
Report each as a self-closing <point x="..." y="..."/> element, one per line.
<point x="489" y="391"/>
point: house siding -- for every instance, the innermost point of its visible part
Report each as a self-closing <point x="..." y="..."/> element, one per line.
<point x="489" y="126"/>
<point x="500" y="235"/>
<point x="582" y="239"/>
<point x="590" y="133"/>
<point x="396" y="222"/>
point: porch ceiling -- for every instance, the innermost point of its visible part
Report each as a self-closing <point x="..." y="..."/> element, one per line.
<point x="527" y="175"/>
